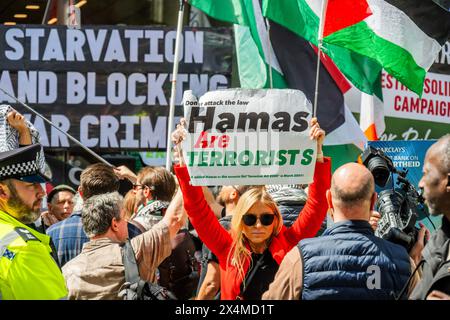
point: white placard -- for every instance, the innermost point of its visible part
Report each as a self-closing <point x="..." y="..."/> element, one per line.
<point x="249" y="137"/>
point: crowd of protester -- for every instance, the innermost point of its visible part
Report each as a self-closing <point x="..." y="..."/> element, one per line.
<point x="245" y="242"/>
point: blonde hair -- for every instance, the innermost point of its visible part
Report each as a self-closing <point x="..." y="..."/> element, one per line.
<point x="129" y="203"/>
<point x="239" y="252"/>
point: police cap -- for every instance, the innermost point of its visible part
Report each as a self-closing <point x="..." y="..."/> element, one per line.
<point x="22" y="164"/>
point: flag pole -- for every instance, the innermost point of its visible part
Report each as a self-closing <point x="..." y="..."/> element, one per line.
<point x="270" y="53"/>
<point x="319" y="51"/>
<point x="170" y="124"/>
<point x="57" y="128"/>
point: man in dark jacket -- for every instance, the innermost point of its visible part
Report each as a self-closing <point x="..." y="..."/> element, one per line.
<point x="435" y="282"/>
<point x="348" y="261"/>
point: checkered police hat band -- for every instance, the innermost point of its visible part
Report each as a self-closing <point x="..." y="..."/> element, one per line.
<point x="19" y="169"/>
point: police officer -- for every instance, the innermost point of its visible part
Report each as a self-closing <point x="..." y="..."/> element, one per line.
<point x="27" y="270"/>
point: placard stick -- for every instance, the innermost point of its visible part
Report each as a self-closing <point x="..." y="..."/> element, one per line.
<point x="174" y="82"/>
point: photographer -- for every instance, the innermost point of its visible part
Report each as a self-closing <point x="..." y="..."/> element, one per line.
<point x="435" y="282"/>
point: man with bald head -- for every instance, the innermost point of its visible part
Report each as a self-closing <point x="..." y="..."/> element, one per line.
<point x="435" y="283"/>
<point x="348" y="261"/>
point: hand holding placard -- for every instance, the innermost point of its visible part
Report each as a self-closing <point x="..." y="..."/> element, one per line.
<point x="316" y="133"/>
<point x="178" y="136"/>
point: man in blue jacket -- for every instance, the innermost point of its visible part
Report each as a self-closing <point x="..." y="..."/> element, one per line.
<point x="348" y="261"/>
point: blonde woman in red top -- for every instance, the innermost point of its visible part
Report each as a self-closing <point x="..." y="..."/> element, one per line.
<point x="257" y="239"/>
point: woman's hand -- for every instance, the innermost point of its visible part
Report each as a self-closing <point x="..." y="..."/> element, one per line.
<point x="315" y="133"/>
<point x="177" y="137"/>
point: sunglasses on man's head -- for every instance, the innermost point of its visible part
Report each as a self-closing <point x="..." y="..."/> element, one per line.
<point x="266" y="219"/>
<point x="137" y="186"/>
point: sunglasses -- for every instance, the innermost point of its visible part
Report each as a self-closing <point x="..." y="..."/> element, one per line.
<point x="266" y="219"/>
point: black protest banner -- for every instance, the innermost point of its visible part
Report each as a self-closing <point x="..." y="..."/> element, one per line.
<point x="108" y="86"/>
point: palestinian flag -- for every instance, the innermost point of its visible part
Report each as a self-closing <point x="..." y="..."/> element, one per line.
<point x="298" y="60"/>
<point x="302" y="18"/>
<point x="404" y="36"/>
<point x="292" y="61"/>
<point x="241" y="13"/>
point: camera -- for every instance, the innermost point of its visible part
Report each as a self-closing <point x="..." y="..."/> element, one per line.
<point x="378" y="164"/>
<point x="398" y="206"/>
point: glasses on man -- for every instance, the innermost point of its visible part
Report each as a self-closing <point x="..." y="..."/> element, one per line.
<point x="137" y="186"/>
<point x="266" y="219"/>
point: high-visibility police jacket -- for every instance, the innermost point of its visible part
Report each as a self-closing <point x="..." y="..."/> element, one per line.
<point x="27" y="270"/>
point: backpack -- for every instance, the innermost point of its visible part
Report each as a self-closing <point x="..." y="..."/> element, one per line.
<point x="134" y="287"/>
<point x="179" y="272"/>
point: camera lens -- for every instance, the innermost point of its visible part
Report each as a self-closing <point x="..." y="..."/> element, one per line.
<point x="380" y="170"/>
